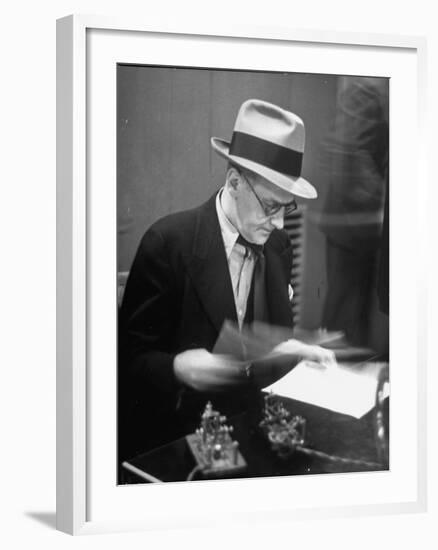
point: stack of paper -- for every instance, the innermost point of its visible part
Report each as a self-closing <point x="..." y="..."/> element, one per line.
<point x="343" y="389"/>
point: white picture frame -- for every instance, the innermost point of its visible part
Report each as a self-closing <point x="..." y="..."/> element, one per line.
<point x="75" y="214"/>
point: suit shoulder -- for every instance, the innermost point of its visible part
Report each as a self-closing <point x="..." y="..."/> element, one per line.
<point x="181" y="225"/>
<point x="173" y="233"/>
<point x="176" y="223"/>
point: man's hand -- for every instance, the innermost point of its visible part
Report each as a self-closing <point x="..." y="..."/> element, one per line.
<point x="301" y="351"/>
<point x="205" y="371"/>
<point x="285" y="357"/>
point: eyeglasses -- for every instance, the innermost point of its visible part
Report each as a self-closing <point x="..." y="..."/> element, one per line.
<point x="272" y="209"/>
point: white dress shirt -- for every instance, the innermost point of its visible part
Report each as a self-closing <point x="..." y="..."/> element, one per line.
<point x="241" y="261"/>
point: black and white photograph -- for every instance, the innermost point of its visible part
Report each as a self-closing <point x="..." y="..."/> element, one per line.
<point x="252" y="273"/>
<point x="219" y="297"/>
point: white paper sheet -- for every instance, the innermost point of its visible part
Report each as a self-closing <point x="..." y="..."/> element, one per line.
<point x="341" y="388"/>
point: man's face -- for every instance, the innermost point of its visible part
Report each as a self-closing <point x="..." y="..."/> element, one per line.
<point x="260" y="207"/>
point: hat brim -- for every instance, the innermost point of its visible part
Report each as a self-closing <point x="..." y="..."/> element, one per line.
<point x="297" y="186"/>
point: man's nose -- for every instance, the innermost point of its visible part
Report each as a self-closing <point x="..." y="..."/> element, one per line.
<point x="277" y="220"/>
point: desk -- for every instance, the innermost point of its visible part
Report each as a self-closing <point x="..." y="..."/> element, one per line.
<point x="327" y="431"/>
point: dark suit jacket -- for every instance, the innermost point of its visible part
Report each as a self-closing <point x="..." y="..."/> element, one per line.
<point x="177" y="297"/>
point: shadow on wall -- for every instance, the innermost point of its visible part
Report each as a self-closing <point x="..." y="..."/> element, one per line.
<point x="46" y="518"/>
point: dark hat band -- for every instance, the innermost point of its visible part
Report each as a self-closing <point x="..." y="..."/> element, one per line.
<point x="278" y="158"/>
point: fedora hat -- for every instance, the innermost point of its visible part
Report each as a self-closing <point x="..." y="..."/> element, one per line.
<point x="269" y="141"/>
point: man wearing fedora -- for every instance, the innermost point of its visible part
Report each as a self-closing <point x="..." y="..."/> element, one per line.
<point x="228" y="259"/>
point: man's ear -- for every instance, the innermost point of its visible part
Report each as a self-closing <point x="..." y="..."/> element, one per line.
<point x="233" y="180"/>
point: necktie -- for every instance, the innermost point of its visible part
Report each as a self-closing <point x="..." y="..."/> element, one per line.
<point x="258" y="280"/>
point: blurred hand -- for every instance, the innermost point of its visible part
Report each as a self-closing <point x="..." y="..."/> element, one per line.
<point x="204" y="371"/>
<point x="307" y="352"/>
<point x="285" y="357"/>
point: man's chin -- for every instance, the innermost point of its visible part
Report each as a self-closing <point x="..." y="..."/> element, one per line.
<point x="258" y="237"/>
<point x="261" y="239"/>
<point x="262" y="236"/>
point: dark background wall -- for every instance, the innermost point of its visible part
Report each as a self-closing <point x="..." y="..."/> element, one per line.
<point x="165" y="119"/>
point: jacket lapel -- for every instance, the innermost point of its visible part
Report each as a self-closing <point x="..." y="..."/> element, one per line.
<point x="208" y="267"/>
